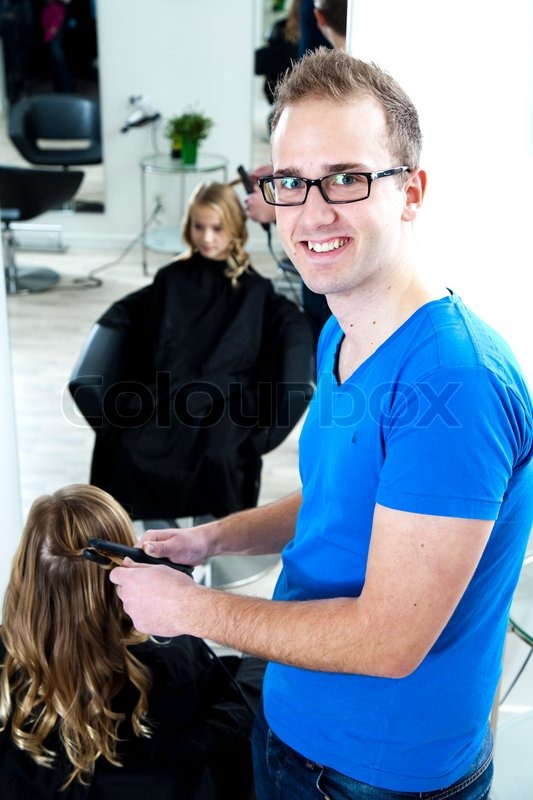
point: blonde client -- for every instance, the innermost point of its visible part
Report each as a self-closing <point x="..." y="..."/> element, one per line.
<point x="89" y="707"/>
<point x="203" y="343"/>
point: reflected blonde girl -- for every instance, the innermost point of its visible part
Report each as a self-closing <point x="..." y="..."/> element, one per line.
<point x="224" y="202"/>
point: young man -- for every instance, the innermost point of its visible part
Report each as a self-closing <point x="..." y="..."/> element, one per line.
<point x="403" y="549"/>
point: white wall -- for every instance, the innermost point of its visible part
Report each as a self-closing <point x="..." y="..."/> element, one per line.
<point x="468" y="68"/>
<point x="178" y="53"/>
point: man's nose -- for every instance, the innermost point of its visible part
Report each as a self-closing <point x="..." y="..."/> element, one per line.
<point x="317" y="205"/>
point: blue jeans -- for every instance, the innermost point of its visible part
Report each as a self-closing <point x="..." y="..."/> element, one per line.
<point x="283" y="774"/>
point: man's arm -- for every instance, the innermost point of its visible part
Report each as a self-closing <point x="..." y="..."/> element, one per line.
<point x="418" y="569"/>
<point x="255" y="531"/>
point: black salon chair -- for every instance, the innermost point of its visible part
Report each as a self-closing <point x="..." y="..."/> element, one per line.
<point x="57" y="130"/>
<point x="25" y="193"/>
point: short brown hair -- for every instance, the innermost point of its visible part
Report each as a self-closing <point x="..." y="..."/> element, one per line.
<point x="335" y="75"/>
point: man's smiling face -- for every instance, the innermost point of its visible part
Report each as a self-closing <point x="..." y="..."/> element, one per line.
<point x="336" y="248"/>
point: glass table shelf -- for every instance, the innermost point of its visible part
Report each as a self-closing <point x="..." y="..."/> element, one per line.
<point x="164" y="240"/>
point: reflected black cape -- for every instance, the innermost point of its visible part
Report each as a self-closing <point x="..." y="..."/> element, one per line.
<point x="188" y="420"/>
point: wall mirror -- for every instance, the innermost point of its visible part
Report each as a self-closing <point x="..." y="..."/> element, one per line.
<point x="281" y="24"/>
<point x="49" y="46"/>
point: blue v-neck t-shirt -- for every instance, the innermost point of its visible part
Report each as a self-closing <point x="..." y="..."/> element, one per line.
<point x="438" y="421"/>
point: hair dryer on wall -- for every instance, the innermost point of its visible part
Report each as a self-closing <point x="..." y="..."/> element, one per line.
<point x="142" y="114"/>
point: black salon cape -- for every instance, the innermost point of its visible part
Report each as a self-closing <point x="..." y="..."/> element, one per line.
<point x="186" y="440"/>
<point x="200" y="748"/>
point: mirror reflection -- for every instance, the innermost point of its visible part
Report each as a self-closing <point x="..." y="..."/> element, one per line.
<point x="49" y="48"/>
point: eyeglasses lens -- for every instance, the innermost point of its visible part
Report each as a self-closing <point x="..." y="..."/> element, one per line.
<point x="346" y="187"/>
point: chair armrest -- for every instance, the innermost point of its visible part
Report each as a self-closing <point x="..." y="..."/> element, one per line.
<point x="98" y="367"/>
<point x="16" y="130"/>
<point x="289" y="383"/>
<point x="291" y="393"/>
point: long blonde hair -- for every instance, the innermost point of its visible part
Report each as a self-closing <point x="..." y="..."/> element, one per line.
<point x="225" y="202"/>
<point x="66" y="635"/>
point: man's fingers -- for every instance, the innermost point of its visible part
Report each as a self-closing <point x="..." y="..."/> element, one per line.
<point x="118" y="574"/>
<point x="154" y="548"/>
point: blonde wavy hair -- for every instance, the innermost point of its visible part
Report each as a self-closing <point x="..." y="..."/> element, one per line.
<point x="223" y="200"/>
<point x="67" y="636"/>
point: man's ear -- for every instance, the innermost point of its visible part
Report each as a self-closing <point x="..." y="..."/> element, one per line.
<point x="319" y="16"/>
<point x="415" y="189"/>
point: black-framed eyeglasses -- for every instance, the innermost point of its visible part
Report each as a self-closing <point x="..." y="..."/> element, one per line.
<point x="339" y="187"/>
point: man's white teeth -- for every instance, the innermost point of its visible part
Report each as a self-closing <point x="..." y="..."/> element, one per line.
<point x="325" y="247"/>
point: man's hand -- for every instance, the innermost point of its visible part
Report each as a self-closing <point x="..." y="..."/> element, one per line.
<point x="155" y="597"/>
<point x="180" y="545"/>
<point x="256" y="208"/>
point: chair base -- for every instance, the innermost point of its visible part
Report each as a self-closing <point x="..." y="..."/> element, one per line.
<point x="30" y="236"/>
<point x="29" y="280"/>
<point x="231" y="572"/>
<point x="218" y="572"/>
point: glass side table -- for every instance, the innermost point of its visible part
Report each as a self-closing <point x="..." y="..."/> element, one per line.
<point x="513" y="776"/>
<point x="521" y="618"/>
<point x="168" y="240"/>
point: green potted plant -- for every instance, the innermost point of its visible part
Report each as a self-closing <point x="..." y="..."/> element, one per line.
<point x="185" y="132"/>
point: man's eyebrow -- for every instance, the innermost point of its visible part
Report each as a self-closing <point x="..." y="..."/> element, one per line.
<point x="288" y="171"/>
<point x="329" y="169"/>
<point x="350" y="166"/>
